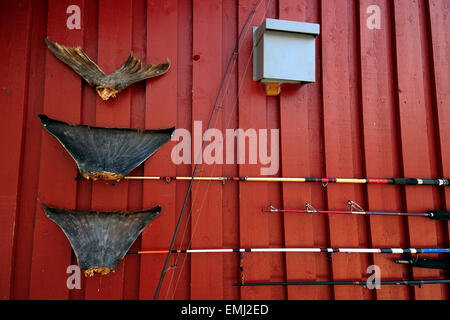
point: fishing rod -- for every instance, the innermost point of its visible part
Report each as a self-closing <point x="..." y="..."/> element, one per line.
<point x="324" y="181"/>
<point x="415" y="262"/>
<point x="300" y="250"/>
<point x="357" y="209"/>
<point x="334" y="283"/>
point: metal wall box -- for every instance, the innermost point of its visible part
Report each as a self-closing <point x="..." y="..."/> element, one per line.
<point x="284" y="51"/>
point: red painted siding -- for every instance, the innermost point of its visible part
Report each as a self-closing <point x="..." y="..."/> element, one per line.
<point x="379" y="108"/>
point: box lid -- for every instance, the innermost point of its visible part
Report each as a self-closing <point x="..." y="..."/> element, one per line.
<point x="286" y="26"/>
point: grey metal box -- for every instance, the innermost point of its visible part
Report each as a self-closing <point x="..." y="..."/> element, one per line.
<point x="284" y="51"/>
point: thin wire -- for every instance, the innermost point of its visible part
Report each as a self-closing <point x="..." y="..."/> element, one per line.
<point x="164" y="270"/>
<point x="229" y="120"/>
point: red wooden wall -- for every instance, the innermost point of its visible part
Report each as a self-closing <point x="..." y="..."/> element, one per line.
<point x="380" y="107"/>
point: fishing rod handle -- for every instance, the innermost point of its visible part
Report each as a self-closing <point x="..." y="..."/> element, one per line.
<point x="439" y="214"/>
<point x="433" y="264"/>
<point x="415" y="181"/>
<point x="426" y="263"/>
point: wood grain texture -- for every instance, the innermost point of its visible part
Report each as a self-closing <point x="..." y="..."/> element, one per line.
<point x="115" y="114"/>
<point x="412" y="113"/>
<point x="162" y="43"/>
<point x="380" y="145"/>
<point x="31" y="155"/>
<point x="57" y="186"/>
<point x="206" y="208"/>
<point x="339" y="141"/>
<point x="298" y="106"/>
<point x="252" y="112"/>
<point x="14" y="86"/>
<point x="439" y="21"/>
<point x="378" y="109"/>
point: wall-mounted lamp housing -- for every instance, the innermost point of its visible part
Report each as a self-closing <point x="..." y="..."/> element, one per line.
<point x="284" y="52"/>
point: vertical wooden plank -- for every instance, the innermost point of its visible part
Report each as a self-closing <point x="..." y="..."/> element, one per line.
<point x="344" y="231"/>
<point x="206" y="220"/>
<point x="276" y="234"/>
<point x="317" y="159"/>
<point x="135" y="187"/>
<point x="31" y="154"/>
<point x="161" y="92"/>
<point x="180" y="287"/>
<point x="14" y="85"/>
<point x="438" y="195"/>
<point x="89" y="98"/>
<point x="230" y="199"/>
<point x="439" y="22"/>
<point x="380" y="143"/>
<point x="89" y="94"/>
<point x="296" y="104"/>
<point x="274" y="190"/>
<point x="253" y="226"/>
<point x="413" y="130"/>
<point x="114" y="46"/>
<point x="177" y="282"/>
<point x="57" y="186"/>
